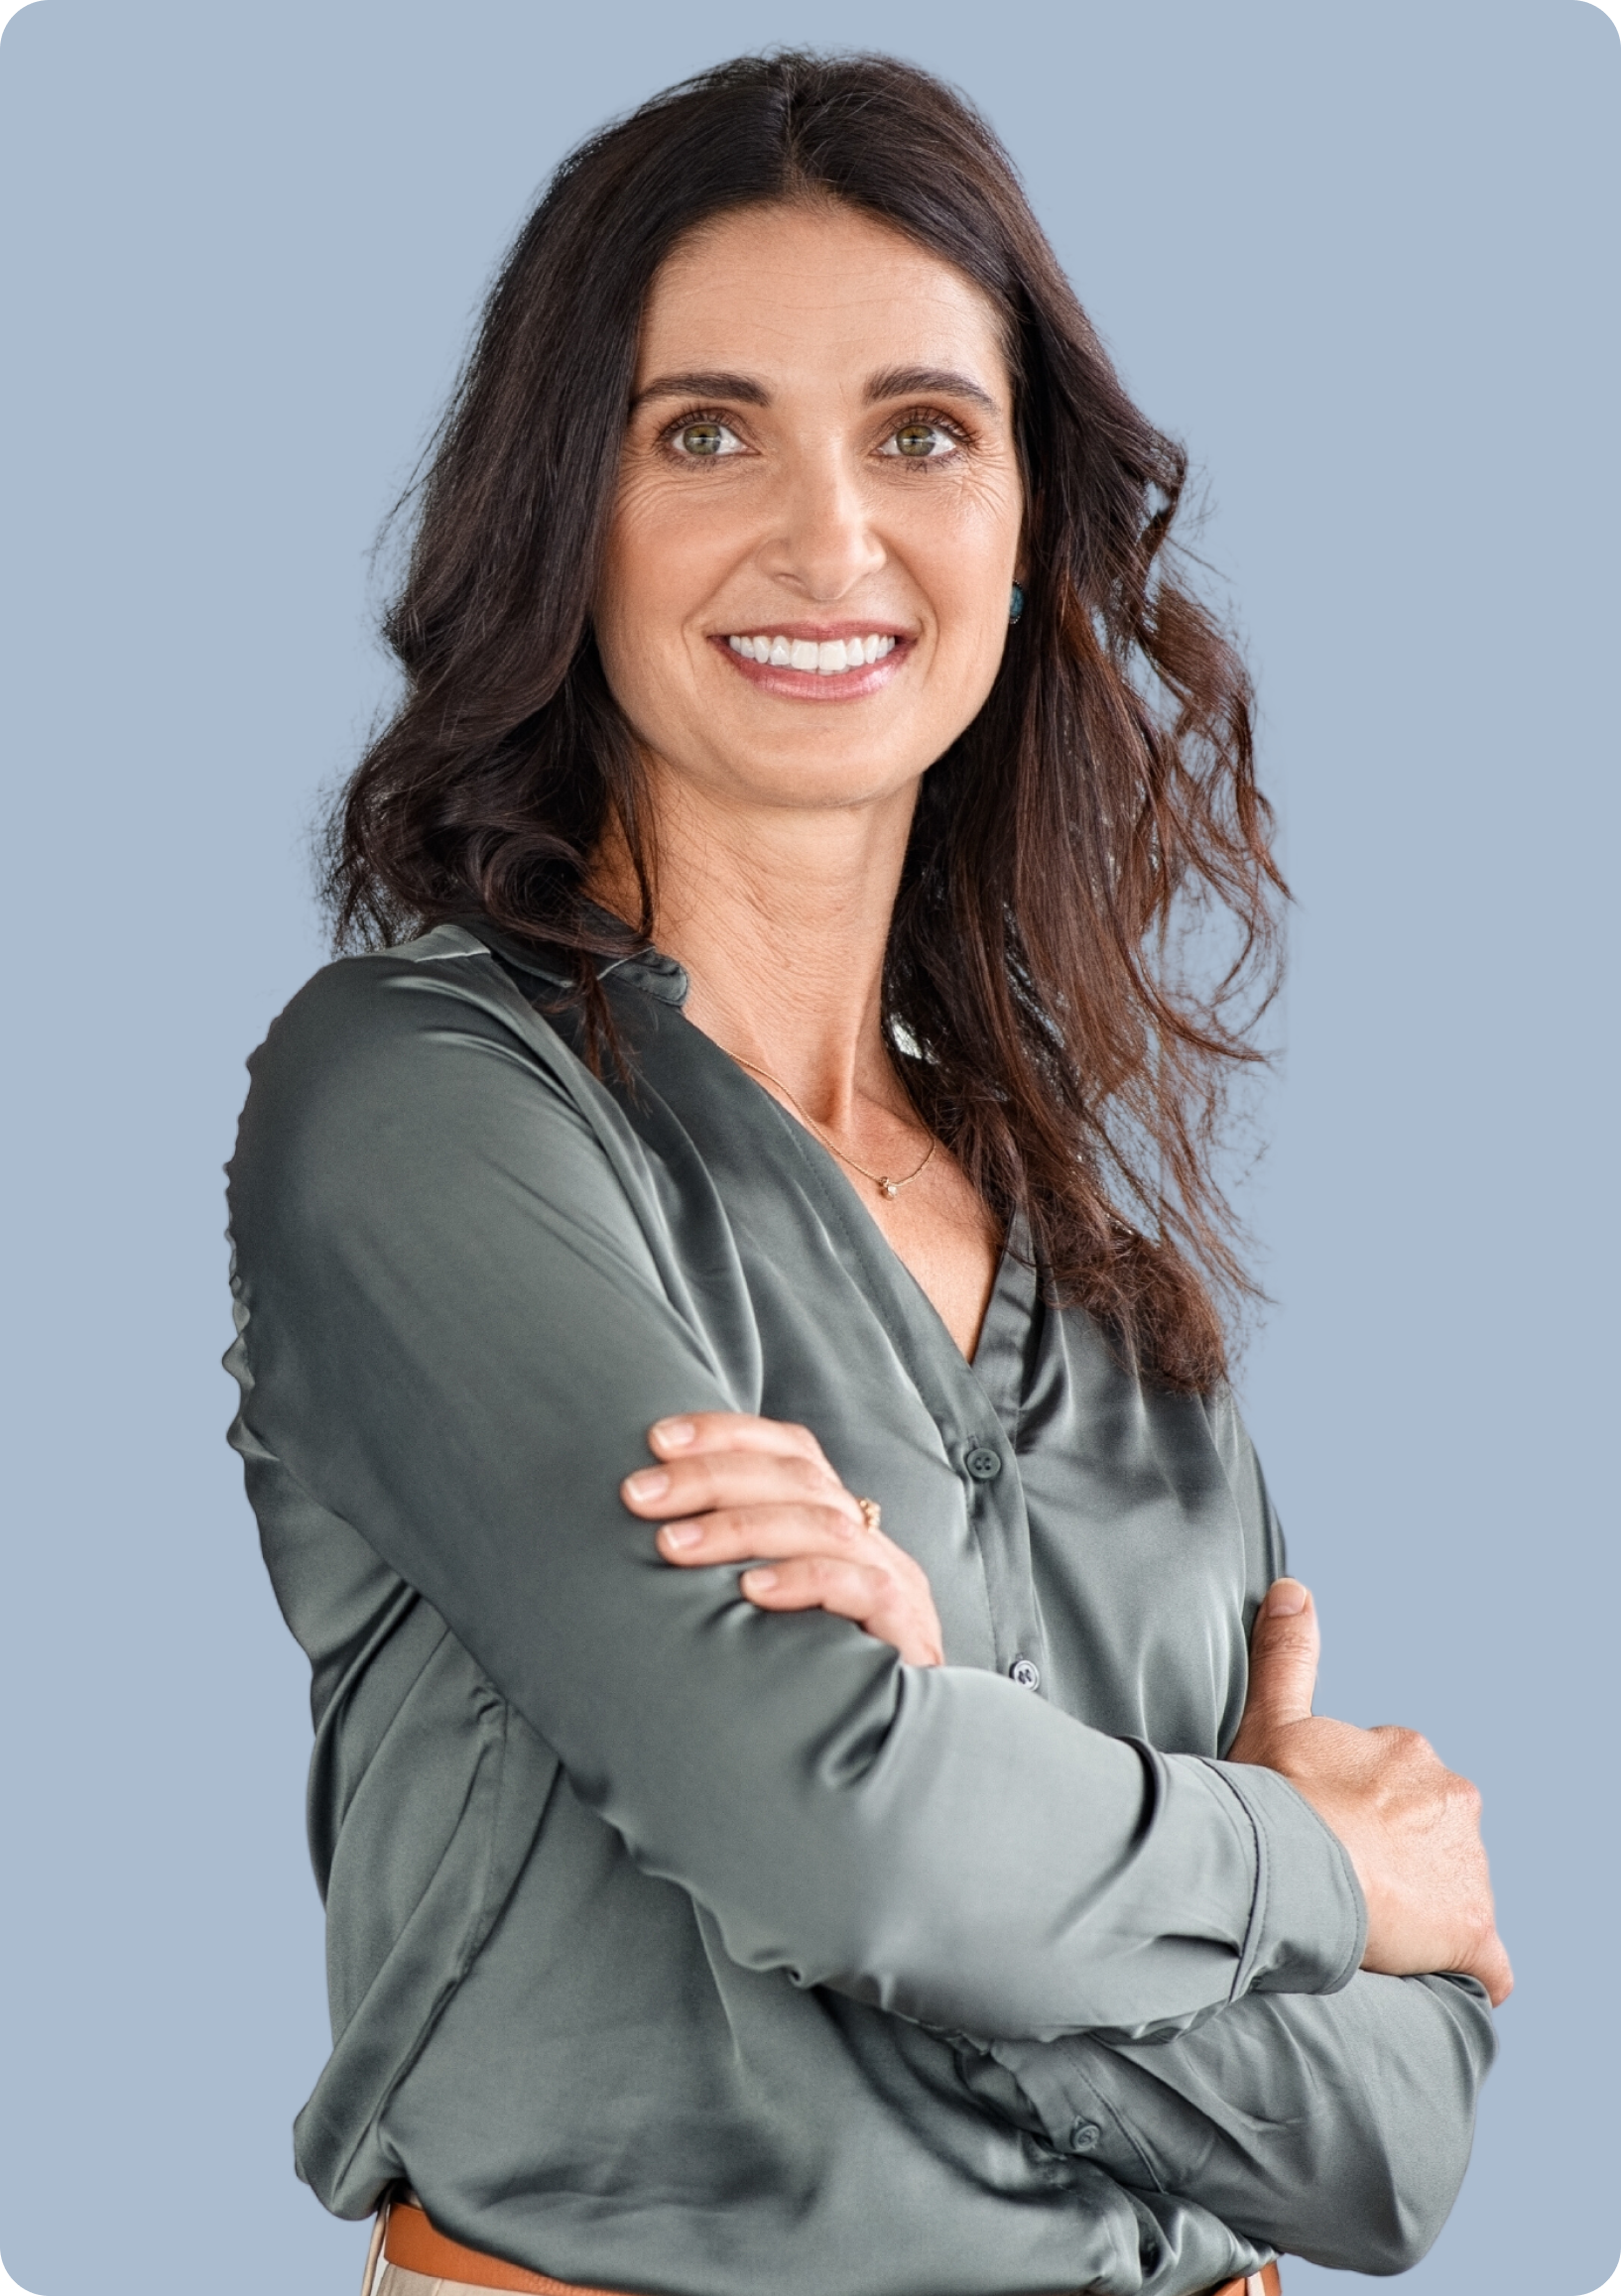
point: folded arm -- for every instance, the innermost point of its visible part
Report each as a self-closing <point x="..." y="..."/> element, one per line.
<point x="463" y="1311"/>
<point x="1333" y="2128"/>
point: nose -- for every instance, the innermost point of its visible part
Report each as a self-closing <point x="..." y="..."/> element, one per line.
<point x="823" y="542"/>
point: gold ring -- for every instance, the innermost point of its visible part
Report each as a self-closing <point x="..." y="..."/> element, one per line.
<point x="872" y="1514"/>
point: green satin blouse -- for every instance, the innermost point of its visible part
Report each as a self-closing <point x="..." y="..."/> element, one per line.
<point x="678" y="1947"/>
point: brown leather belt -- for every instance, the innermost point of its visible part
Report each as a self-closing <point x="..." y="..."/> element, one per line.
<point x="410" y="2241"/>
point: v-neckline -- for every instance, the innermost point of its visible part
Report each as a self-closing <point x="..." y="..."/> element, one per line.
<point x="996" y="1368"/>
<point x="997" y="1364"/>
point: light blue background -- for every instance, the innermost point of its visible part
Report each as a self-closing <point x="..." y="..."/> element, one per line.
<point x="1364" y="260"/>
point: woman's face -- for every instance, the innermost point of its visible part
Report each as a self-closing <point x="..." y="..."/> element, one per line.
<point x="806" y="592"/>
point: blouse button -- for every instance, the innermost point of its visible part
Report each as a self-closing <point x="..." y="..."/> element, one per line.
<point x="983" y="1464"/>
<point x="1026" y="1673"/>
<point x="1084" y="2135"/>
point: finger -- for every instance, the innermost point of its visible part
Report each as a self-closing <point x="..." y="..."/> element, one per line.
<point x="864" y="1592"/>
<point x="699" y="1432"/>
<point x="851" y="1589"/>
<point x="697" y="1486"/>
<point x="740" y="1533"/>
<point x="1284" y="1651"/>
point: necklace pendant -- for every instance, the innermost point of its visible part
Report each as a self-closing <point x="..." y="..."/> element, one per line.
<point x="887" y="1188"/>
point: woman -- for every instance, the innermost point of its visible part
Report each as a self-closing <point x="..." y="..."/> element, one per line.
<point x="773" y="1055"/>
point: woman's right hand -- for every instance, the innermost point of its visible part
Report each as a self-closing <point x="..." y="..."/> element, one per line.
<point x="730" y="1488"/>
<point x="1410" y="1826"/>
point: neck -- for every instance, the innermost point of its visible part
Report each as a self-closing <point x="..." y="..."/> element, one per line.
<point x="780" y="917"/>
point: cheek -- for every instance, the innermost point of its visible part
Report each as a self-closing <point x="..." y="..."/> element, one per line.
<point x="635" y="569"/>
<point x="972" y="587"/>
<point x="636" y="611"/>
<point x="962" y="552"/>
<point x="657" y="574"/>
<point x="665" y="551"/>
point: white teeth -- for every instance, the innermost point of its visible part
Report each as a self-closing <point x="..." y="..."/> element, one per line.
<point x="829" y="658"/>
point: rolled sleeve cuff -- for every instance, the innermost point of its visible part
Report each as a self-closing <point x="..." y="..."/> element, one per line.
<point x="1309" y="1924"/>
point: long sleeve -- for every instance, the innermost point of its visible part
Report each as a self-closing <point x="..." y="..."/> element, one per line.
<point x="1333" y="2128"/>
<point x="461" y="1312"/>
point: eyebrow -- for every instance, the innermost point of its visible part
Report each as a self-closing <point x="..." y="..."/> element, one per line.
<point x="893" y="383"/>
<point x="927" y="382"/>
<point x="703" y="383"/>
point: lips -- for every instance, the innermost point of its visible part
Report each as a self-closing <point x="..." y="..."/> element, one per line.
<point x="808" y="662"/>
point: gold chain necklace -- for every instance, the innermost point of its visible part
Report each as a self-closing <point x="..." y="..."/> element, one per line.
<point x="880" y="1180"/>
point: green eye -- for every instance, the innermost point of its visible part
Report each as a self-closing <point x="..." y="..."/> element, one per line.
<point x="702" y="437"/>
<point x="917" y="441"/>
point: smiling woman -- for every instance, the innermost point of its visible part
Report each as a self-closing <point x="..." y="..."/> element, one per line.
<point x="883" y="1846"/>
<point x="821" y="297"/>
<point x="803" y="448"/>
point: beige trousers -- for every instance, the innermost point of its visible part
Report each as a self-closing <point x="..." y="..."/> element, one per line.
<point x="384" y="2279"/>
<point x="395" y="2281"/>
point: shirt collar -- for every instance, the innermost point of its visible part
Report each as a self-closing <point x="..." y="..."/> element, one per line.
<point x="646" y="969"/>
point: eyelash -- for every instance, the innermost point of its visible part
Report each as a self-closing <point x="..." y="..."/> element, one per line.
<point x="914" y="414"/>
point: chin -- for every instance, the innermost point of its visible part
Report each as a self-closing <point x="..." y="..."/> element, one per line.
<point x="820" y="776"/>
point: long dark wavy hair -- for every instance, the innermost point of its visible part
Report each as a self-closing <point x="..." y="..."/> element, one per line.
<point x="1059" y="1001"/>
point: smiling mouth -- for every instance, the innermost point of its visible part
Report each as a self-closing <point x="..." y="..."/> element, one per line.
<point x="825" y="657"/>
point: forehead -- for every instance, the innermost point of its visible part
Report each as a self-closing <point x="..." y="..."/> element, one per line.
<point x="814" y="291"/>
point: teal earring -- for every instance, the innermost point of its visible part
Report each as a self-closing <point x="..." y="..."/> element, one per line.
<point x="1016" y="604"/>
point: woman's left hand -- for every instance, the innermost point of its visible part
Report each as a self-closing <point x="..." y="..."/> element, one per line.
<point x="734" y="1489"/>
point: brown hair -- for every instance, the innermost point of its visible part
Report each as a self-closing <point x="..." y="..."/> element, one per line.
<point x="1051" y="990"/>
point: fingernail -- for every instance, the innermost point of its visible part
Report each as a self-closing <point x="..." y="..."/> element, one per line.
<point x="1287" y="1599"/>
<point x="673" y="1434"/>
<point x="681" y="1533"/>
<point x="646" y="1483"/>
<point x="758" y="1582"/>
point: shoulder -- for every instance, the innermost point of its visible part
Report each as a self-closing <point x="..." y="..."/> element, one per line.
<point x="412" y="1125"/>
<point x="404" y="1059"/>
<point x="389" y="1019"/>
<point x="385" y="994"/>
